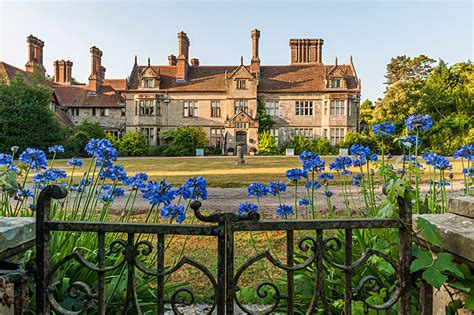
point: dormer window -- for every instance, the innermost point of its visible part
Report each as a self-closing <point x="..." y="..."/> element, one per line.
<point x="241" y="84"/>
<point x="336" y="83"/>
<point x="148" y="83"/>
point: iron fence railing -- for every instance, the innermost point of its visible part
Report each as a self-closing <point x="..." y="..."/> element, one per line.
<point x="225" y="283"/>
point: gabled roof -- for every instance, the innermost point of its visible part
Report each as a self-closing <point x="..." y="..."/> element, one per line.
<point x="116" y="84"/>
<point x="83" y="96"/>
<point x="291" y="78"/>
<point x="242" y="72"/>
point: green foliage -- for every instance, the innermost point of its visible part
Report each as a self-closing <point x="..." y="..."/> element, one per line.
<point x="184" y="140"/>
<point x="80" y="136"/>
<point x="366" y="114"/>
<point x="267" y="144"/>
<point x="352" y="138"/>
<point x="265" y="122"/>
<point x="133" y="143"/>
<point x="300" y="144"/>
<point x="445" y="93"/>
<point x="26" y="117"/>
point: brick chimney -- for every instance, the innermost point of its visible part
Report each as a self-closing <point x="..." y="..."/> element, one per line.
<point x="309" y="50"/>
<point x="194" y="62"/>
<point x="183" y="55"/>
<point x="255" y="62"/>
<point x="62" y="71"/>
<point x="35" y="54"/>
<point x="97" y="75"/>
<point x="172" y="60"/>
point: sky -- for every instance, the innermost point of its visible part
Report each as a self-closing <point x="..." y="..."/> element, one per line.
<point x="371" y="31"/>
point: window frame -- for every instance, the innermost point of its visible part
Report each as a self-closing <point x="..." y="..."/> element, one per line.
<point x="215" y="108"/>
<point x="304" y="108"/>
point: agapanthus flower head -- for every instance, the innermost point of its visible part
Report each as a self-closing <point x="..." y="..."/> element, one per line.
<point x="35" y="158"/>
<point x="468" y="171"/>
<point x="75" y="162"/>
<point x="275" y="188"/>
<point x="138" y="180"/>
<point x="385" y="129"/>
<point x="326" y="177"/>
<point x="418" y="122"/>
<point x="312" y="184"/>
<point x="356" y="179"/>
<point x="49" y="175"/>
<point x="159" y="192"/>
<point x="101" y="149"/>
<point x="107" y="194"/>
<point x="340" y="163"/>
<point x="437" y="161"/>
<point x="304" y="202"/>
<point x="173" y="211"/>
<point x="194" y="188"/>
<point x="360" y="153"/>
<point x="373" y="157"/>
<point x="312" y="162"/>
<point x="328" y="193"/>
<point x="296" y="174"/>
<point x="466" y="152"/>
<point x="113" y="172"/>
<point x="25" y="193"/>
<point x="14" y="148"/>
<point x="7" y="161"/>
<point x="258" y="190"/>
<point x="411" y="160"/>
<point x="246" y="207"/>
<point x="284" y="211"/>
<point x="409" y="142"/>
<point x="56" y="149"/>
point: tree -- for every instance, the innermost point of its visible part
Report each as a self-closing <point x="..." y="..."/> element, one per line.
<point x="133" y="143"/>
<point x="184" y="140"/>
<point x="366" y="115"/>
<point x="265" y="122"/>
<point x="80" y="136"/>
<point x="26" y="118"/>
<point x="403" y="68"/>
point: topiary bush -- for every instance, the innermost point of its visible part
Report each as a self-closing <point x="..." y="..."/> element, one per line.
<point x="133" y="143"/>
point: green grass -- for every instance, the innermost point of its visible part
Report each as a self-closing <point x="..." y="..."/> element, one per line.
<point x="219" y="171"/>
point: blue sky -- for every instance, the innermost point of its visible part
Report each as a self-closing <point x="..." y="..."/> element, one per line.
<point x="371" y="31"/>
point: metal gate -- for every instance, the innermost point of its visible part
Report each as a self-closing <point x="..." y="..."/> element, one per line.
<point x="225" y="284"/>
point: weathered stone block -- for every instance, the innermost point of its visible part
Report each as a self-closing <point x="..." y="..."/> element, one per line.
<point x="15" y="233"/>
<point x="463" y="206"/>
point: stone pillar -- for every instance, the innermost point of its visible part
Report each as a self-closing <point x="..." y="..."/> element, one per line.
<point x="240" y="154"/>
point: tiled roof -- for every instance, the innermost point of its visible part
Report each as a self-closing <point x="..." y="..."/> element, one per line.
<point x="116" y="84"/>
<point x="292" y="78"/>
<point x="83" y="96"/>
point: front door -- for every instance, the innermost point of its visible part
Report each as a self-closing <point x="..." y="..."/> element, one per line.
<point x="241" y="138"/>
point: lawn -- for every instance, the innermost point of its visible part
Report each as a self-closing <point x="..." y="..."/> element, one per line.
<point x="219" y="171"/>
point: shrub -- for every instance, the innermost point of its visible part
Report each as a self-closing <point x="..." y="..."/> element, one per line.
<point x="323" y="147"/>
<point x="80" y="136"/>
<point x="133" y="144"/>
<point x="358" y="138"/>
<point x="267" y="144"/>
<point x="184" y="140"/>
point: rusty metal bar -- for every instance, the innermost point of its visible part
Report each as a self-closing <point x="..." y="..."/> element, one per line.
<point x="289" y="274"/>
<point x="229" y="258"/>
<point x="160" y="287"/>
<point x="405" y="214"/>
<point x="221" y="269"/>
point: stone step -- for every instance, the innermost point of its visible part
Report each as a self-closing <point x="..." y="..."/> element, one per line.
<point x="462" y="206"/>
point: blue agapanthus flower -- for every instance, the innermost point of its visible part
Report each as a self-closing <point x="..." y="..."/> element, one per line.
<point x="341" y="163"/>
<point x="194" y="188"/>
<point x="75" y="162"/>
<point x="296" y="174"/>
<point x="326" y="177"/>
<point x="276" y="188"/>
<point x="437" y="161"/>
<point x="468" y="171"/>
<point x="49" y="175"/>
<point x="328" y="193"/>
<point x="173" y="211"/>
<point x="6" y="160"/>
<point x="312" y="184"/>
<point x="356" y="179"/>
<point x="25" y="193"/>
<point x="312" y="162"/>
<point x="284" y="211"/>
<point x="360" y="153"/>
<point x="35" y="158"/>
<point x="107" y="194"/>
<point x="304" y="202"/>
<point x="56" y="149"/>
<point x="410" y="141"/>
<point x="385" y="129"/>
<point x="466" y="152"/>
<point x="159" y="192"/>
<point x="113" y="172"/>
<point x="246" y="207"/>
<point x="102" y="150"/>
<point x="138" y="180"/>
<point x="418" y="122"/>
<point x="258" y="190"/>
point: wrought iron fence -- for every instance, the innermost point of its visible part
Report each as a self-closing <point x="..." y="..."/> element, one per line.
<point x="225" y="285"/>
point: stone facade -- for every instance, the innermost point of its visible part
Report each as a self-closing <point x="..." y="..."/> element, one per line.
<point x="306" y="97"/>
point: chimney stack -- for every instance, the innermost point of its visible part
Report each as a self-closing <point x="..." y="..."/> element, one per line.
<point x="172" y="60"/>
<point x="306" y="50"/>
<point x="255" y="62"/>
<point x="183" y="55"/>
<point x="63" y="71"/>
<point x="194" y="62"/>
<point x="35" y="54"/>
<point x="97" y="75"/>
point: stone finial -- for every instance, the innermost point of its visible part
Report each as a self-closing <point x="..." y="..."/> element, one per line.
<point x="335" y="61"/>
<point x="149" y="61"/>
<point x="241" y="60"/>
